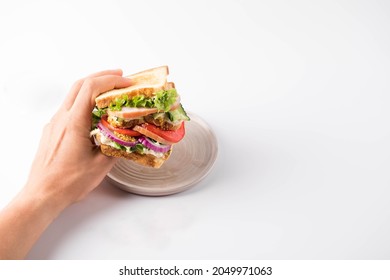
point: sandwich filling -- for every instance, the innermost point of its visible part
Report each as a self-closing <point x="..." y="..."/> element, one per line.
<point x="144" y="125"/>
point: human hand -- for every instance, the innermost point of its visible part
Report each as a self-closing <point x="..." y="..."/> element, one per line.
<point x="66" y="168"/>
<point x="68" y="165"/>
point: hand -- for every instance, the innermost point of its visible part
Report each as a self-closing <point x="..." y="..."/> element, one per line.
<point x="68" y="165"/>
<point x="66" y="168"/>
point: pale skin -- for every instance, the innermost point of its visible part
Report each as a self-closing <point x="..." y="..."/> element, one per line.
<point x="67" y="167"/>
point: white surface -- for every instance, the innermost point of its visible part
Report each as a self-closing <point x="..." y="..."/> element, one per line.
<point x="296" y="91"/>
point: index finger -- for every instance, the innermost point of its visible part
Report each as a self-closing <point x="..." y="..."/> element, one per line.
<point x="92" y="87"/>
<point x="71" y="97"/>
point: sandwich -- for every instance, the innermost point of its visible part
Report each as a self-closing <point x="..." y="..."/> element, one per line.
<point x="142" y="122"/>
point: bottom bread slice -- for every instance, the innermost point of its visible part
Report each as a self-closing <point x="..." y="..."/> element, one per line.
<point x="143" y="159"/>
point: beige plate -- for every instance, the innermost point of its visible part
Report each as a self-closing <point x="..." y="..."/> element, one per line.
<point x="191" y="160"/>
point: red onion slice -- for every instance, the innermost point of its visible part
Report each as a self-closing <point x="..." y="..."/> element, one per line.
<point x="148" y="143"/>
<point x="109" y="134"/>
<point x="159" y="148"/>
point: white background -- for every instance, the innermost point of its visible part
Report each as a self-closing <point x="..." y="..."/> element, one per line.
<point x="297" y="93"/>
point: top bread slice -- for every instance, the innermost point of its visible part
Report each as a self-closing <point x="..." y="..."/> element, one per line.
<point x="144" y="83"/>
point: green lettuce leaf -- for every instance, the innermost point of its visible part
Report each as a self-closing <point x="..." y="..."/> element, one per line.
<point x="97" y="115"/>
<point x="162" y="100"/>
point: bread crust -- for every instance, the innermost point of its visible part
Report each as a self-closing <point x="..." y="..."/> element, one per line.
<point x="146" y="160"/>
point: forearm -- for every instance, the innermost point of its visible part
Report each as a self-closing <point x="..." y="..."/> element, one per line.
<point x="23" y="221"/>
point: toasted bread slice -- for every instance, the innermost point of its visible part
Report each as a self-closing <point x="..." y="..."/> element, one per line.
<point x="170" y="85"/>
<point x="146" y="160"/>
<point x="144" y="83"/>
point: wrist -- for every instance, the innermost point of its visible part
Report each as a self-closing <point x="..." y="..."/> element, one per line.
<point x="42" y="199"/>
<point x="23" y="221"/>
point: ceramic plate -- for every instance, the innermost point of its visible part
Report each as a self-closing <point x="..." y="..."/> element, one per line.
<point x="191" y="160"/>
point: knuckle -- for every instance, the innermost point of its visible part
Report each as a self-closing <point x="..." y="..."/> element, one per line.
<point x="89" y="84"/>
<point x="78" y="83"/>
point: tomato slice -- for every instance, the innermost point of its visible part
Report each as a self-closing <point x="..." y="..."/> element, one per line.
<point x="162" y="136"/>
<point x="125" y="131"/>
